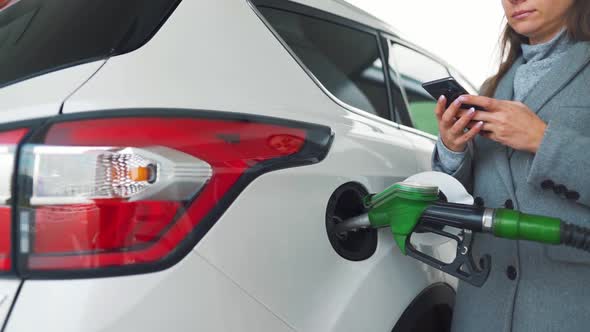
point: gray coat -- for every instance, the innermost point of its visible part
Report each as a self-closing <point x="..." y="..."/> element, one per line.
<point x="533" y="287"/>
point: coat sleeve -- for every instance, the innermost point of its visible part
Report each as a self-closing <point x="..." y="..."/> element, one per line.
<point x="562" y="162"/>
<point x="462" y="172"/>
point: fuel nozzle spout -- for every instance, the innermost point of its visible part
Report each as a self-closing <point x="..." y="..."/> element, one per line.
<point x="352" y="224"/>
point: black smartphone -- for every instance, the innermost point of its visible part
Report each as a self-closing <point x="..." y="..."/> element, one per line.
<point x="448" y="87"/>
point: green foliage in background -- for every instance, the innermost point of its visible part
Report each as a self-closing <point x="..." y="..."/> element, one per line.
<point x="423" y="116"/>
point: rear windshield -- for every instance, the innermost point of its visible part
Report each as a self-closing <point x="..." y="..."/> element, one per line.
<point x="39" y="36"/>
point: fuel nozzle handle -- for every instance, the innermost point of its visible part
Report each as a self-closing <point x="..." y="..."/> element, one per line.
<point x="508" y="224"/>
<point x="460" y="216"/>
<point x="502" y="223"/>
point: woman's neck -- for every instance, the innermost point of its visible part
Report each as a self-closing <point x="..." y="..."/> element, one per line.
<point x="556" y="45"/>
<point x="545" y="36"/>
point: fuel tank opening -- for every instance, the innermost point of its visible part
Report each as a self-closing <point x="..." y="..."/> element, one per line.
<point x="347" y="202"/>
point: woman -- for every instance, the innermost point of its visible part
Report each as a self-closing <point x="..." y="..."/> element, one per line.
<point x="532" y="154"/>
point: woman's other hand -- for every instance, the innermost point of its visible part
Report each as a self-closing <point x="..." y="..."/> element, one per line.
<point x="452" y="127"/>
<point x="509" y="123"/>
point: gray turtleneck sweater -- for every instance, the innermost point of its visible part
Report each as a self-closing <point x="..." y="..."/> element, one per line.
<point x="538" y="61"/>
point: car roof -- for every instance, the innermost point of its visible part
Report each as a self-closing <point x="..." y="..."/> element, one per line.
<point x="351" y="12"/>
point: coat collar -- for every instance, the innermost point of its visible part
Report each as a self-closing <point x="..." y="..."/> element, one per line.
<point x="554" y="81"/>
<point x="505" y="89"/>
<point x="564" y="70"/>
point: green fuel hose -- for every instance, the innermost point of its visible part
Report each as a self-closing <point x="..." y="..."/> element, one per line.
<point x="508" y="224"/>
<point x="516" y="225"/>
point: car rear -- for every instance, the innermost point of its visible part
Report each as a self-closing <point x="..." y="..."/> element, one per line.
<point x="100" y="211"/>
<point x="181" y="181"/>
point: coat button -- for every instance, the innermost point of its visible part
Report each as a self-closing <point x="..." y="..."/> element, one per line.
<point x="560" y="189"/>
<point x="547" y="184"/>
<point x="508" y="204"/>
<point x="573" y="195"/>
<point x="478" y="201"/>
<point x="511" y="272"/>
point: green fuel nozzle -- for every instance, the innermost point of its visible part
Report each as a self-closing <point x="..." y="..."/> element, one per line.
<point x="407" y="208"/>
<point x="400" y="207"/>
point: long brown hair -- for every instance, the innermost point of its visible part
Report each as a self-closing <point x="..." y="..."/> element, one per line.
<point x="578" y="28"/>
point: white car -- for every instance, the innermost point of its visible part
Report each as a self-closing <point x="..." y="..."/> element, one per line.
<point x="174" y="165"/>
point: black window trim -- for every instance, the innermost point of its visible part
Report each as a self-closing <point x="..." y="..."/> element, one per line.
<point x="294" y="7"/>
<point x="391" y="103"/>
<point x="402" y="106"/>
<point x="287" y="5"/>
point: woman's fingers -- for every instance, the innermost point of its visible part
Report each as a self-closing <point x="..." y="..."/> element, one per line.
<point x="471" y="133"/>
<point x="463" y="121"/>
<point x="440" y="107"/>
<point x="479" y="116"/>
<point x="488" y="127"/>
<point x="486" y="103"/>
<point x="489" y="135"/>
<point x="451" y="112"/>
<point x="471" y="124"/>
<point x="453" y="121"/>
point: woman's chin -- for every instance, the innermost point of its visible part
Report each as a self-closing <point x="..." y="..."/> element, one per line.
<point x="527" y="29"/>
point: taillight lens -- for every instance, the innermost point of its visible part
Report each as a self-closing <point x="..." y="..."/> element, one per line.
<point x="4" y="3"/>
<point x="117" y="194"/>
<point x="8" y="143"/>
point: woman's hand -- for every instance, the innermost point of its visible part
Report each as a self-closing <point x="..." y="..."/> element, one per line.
<point x="452" y="130"/>
<point x="510" y="123"/>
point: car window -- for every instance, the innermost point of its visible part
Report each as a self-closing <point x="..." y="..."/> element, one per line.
<point x="346" y="61"/>
<point x="416" y="68"/>
<point x="39" y="36"/>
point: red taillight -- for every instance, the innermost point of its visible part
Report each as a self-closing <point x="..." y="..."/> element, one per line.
<point x="8" y="143"/>
<point x="141" y="191"/>
<point x="7" y="3"/>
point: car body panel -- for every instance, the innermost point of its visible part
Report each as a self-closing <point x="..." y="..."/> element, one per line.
<point x="214" y="72"/>
<point x="50" y="91"/>
<point x="310" y="286"/>
<point x="9" y="288"/>
<point x="192" y="295"/>
<point x="423" y="145"/>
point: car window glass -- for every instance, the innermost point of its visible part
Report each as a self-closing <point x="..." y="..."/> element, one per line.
<point x="346" y="61"/>
<point x="415" y="69"/>
<point x="40" y="36"/>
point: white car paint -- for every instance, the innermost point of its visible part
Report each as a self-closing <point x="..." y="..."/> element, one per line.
<point x="267" y="264"/>
<point x="191" y="296"/>
<point x="8" y="291"/>
<point x="44" y="95"/>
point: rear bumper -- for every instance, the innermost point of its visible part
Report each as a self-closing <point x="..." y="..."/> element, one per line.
<point x="191" y="296"/>
<point x="9" y="289"/>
